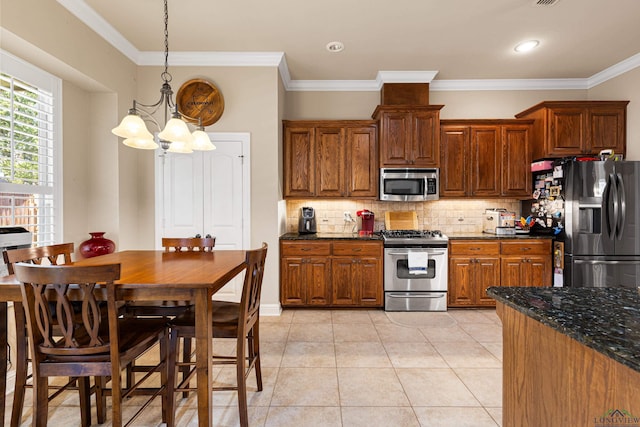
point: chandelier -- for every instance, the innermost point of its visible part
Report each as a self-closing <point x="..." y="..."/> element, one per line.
<point x="176" y="136"/>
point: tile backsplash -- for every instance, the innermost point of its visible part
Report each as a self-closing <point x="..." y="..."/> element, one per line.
<point x="449" y="216"/>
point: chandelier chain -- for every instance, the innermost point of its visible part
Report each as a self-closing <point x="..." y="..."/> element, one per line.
<point x="165" y="75"/>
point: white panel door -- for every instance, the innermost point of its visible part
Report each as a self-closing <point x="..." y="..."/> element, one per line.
<point x="223" y="199"/>
<point x="207" y="193"/>
<point x="183" y="209"/>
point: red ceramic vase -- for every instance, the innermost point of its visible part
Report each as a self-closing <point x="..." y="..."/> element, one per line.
<point x="97" y="245"/>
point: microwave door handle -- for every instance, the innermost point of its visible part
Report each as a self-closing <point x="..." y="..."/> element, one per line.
<point x="621" y="219"/>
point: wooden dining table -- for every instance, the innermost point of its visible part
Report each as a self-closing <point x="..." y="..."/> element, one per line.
<point x="157" y="276"/>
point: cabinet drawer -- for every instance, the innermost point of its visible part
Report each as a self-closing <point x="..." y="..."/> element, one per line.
<point x="373" y="249"/>
<point x="471" y="247"/>
<point x="530" y="247"/>
<point x="306" y="248"/>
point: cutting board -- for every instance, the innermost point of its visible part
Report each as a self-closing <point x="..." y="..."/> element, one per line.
<point x="401" y="220"/>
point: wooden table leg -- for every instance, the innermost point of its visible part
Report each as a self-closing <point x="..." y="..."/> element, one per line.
<point x="3" y="358"/>
<point x="204" y="354"/>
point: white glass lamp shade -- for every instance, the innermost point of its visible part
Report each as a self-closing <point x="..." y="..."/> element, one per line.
<point x="132" y="126"/>
<point x="180" y="147"/>
<point x="176" y="131"/>
<point x="141" y="143"/>
<point x="201" y="141"/>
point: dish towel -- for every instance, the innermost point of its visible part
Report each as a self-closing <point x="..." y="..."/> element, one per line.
<point x="418" y="262"/>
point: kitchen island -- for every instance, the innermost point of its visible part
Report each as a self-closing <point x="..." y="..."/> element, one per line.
<point x="571" y="356"/>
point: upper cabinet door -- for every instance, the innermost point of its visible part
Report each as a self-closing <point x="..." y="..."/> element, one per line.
<point x="362" y="162"/>
<point x="485" y="161"/>
<point x="409" y="135"/>
<point x="607" y="129"/>
<point x="330" y="153"/>
<point x="454" y="159"/>
<point x="567" y="130"/>
<point x="573" y="128"/>
<point x="395" y="139"/>
<point x="330" y="158"/>
<point x="425" y="138"/>
<point x="299" y="164"/>
<point x="516" y="160"/>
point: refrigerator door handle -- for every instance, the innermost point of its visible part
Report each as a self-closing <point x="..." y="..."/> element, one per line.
<point x="609" y="201"/>
<point x="623" y="206"/>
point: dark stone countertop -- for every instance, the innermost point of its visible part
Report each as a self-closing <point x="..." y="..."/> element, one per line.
<point x="329" y="236"/>
<point x="489" y="236"/>
<point x="604" y="319"/>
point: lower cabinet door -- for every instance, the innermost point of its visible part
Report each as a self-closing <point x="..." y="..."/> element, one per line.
<point x="318" y="281"/>
<point x="292" y="282"/>
<point x="487" y="274"/>
<point x="370" y="282"/>
<point x="305" y="281"/>
<point x="461" y="292"/>
<point x="344" y="277"/>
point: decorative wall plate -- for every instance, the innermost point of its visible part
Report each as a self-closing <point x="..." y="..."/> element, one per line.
<point x="200" y="99"/>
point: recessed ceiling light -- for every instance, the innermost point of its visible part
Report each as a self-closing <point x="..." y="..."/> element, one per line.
<point x="335" y="46"/>
<point x="526" y="46"/>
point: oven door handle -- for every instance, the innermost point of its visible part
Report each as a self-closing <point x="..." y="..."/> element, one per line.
<point x="425" y="295"/>
<point x="406" y="253"/>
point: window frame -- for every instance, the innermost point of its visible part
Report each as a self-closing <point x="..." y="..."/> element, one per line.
<point x="28" y="73"/>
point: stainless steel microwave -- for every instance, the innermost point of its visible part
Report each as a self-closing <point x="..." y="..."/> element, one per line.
<point x="409" y="184"/>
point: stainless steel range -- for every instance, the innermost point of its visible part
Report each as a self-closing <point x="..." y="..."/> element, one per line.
<point x="415" y="270"/>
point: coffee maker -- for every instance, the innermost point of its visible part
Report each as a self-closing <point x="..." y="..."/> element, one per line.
<point x="366" y="220"/>
<point x="307" y="221"/>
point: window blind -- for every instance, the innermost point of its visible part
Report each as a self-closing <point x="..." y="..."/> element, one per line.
<point x="28" y="175"/>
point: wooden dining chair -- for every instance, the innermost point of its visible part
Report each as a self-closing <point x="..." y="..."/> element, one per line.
<point x="167" y="309"/>
<point x="53" y="255"/>
<point x="88" y="345"/>
<point x="240" y="321"/>
<point x="188" y="244"/>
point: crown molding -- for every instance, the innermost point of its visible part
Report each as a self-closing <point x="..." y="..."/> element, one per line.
<point x="508" y="84"/>
<point x="86" y="14"/>
<point x="81" y="10"/>
<point x="213" y="59"/>
<point x="614" y="71"/>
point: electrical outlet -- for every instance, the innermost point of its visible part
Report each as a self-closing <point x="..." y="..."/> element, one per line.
<point x="348" y="217"/>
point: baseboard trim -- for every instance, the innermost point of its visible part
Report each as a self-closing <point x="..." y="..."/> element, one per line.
<point x="270" y="309"/>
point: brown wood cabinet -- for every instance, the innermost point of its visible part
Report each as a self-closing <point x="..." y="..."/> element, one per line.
<point x="409" y="135"/>
<point x="475" y="265"/>
<point x="349" y="273"/>
<point x="572" y="128"/>
<point x="485" y="158"/>
<point x="356" y="271"/>
<point x="330" y="159"/>
<point x="305" y="274"/>
<point x="526" y="263"/>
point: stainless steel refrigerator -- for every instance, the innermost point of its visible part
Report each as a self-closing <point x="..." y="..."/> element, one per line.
<point x="602" y="223"/>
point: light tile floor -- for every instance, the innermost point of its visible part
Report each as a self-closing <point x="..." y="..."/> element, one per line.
<point x="354" y="368"/>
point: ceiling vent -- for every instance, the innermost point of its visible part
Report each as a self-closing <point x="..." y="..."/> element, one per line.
<point x="544" y="2"/>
